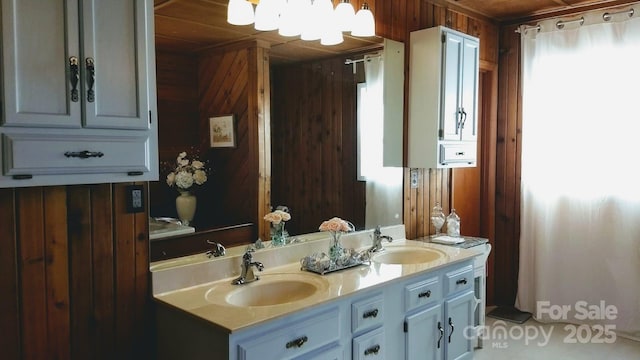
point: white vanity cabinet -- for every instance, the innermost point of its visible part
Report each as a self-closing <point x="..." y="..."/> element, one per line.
<point x="79" y="92"/>
<point x="426" y="315"/>
<point x="443" y="99"/>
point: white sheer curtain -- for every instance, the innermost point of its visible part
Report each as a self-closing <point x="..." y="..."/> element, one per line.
<point x="384" y="184"/>
<point x="580" y="205"/>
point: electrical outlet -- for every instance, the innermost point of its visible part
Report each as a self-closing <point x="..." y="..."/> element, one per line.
<point x="414" y="178"/>
<point x="135" y="198"/>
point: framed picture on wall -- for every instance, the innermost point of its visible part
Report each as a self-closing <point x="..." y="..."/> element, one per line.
<point x="222" y="131"/>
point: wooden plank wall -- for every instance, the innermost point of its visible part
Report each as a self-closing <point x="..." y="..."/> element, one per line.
<point x="508" y="150"/>
<point x="314" y="152"/>
<point x="74" y="274"/>
<point x="234" y="81"/>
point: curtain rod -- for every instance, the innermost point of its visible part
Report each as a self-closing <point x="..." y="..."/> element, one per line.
<point x="350" y="61"/>
<point x="560" y="24"/>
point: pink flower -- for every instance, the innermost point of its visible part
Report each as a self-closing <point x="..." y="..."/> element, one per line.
<point x="336" y="224"/>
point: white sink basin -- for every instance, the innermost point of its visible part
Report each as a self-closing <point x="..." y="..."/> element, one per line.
<point x="407" y="255"/>
<point x="270" y="290"/>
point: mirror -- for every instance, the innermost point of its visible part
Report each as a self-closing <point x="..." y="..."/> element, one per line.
<point x="313" y="139"/>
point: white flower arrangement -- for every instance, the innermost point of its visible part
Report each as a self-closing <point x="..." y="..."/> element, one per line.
<point x="187" y="173"/>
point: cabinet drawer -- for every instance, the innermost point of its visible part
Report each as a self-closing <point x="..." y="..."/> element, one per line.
<point x="459" y="279"/>
<point x="422" y="293"/>
<point x="457" y="153"/>
<point x="366" y="314"/>
<point x="369" y="345"/>
<point x="295" y="339"/>
<point x="52" y="154"/>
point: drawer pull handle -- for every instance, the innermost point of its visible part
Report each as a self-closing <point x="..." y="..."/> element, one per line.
<point x="84" y="154"/>
<point x="460" y="153"/>
<point x="91" y="79"/>
<point x="462" y="281"/>
<point x="372" y="350"/>
<point x="371" y="313"/>
<point x="452" y="328"/>
<point x="22" y="177"/>
<point x="74" y="77"/>
<point x="425" y="294"/>
<point x="297" y="342"/>
<point x="441" y="329"/>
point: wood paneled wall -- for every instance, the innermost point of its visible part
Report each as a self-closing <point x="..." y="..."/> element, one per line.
<point x="508" y="148"/>
<point x="193" y="88"/>
<point x="235" y="81"/>
<point x="314" y="137"/>
<point x="74" y="274"/>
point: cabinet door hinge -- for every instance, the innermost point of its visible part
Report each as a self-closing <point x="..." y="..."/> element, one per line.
<point x="406" y="326"/>
<point x="149" y="116"/>
<point x="440" y="133"/>
<point x="444" y="38"/>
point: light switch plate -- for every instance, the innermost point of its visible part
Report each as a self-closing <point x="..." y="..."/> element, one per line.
<point x="414" y="178"/>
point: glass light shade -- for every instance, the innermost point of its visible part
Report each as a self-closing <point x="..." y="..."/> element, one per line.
<point x="293" y="17"/>
<point x="364" y="24"/>
<point x="319" y="14"/>
<point x="239" y="12"/>
<point x="332" y="35"/>
<point x="345" y="15"/>
<point x="268" y="15"/>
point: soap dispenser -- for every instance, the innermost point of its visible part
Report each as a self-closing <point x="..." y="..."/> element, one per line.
<point x="453" y="224"/>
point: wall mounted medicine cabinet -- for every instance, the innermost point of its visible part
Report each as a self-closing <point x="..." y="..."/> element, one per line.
<point x="78" y="99"/>
<point x="443" y="99"/>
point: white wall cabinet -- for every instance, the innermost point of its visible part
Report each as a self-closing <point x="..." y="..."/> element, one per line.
<point x="443" y="99"/>
<point x="79" y="98"/>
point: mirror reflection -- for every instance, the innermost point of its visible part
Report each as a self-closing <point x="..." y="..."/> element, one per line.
<point x="310" y="118"/>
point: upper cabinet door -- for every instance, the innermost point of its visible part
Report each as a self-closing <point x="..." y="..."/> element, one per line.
<point x="451" y="82"/>
<point x="40" y="41"/>
<point x="469" y="91"/>
<point x="115" y="57"/>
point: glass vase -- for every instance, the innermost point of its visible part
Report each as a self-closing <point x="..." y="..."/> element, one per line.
<point x="278" y="234"/>
<point x="335" y="249"/>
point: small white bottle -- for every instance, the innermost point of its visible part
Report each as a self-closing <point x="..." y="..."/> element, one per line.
<point x="453" y="224"/>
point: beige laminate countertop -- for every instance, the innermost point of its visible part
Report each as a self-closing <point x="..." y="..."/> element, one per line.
<point x="207" y="300"/>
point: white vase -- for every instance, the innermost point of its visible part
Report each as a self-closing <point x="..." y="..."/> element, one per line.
<point x="186" y="206"/>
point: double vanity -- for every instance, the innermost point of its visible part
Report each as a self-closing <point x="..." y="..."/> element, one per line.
<point x="414" y="301"/>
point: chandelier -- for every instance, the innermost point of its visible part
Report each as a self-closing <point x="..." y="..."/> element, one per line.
<point x="310" y="19"/>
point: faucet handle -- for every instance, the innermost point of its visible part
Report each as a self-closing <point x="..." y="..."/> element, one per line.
<point x="377" y="231"/>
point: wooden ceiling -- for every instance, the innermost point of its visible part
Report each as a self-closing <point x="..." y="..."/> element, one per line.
<point x="196" y="25"/>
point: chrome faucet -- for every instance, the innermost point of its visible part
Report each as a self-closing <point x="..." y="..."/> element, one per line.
<point x="247" y="275"/>
<point x="377" y="240"/>
<point x="218" y="249"/>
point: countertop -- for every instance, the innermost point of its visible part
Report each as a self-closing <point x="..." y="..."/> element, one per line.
<point x="207" y="300"/>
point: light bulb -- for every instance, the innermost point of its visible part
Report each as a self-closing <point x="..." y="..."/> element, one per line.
<point x="239" y="12"/>
<point x="345" y="15"/>
<point x="364" y="24"/>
